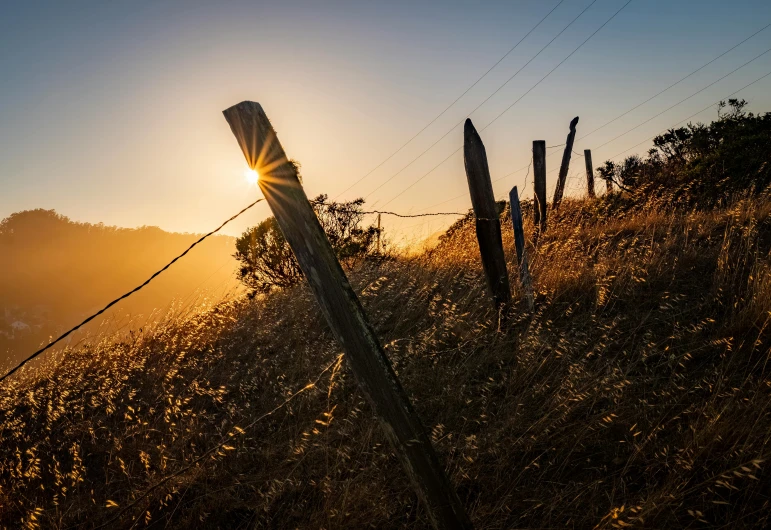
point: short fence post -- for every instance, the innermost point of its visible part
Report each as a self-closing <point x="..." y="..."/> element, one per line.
<point x="539" y="183"/>
<point x="342" y="309"/>
<point x="488" y="224"/>
<point x="609" y="185"/>
<point x="519" y="243"/>
<point x="589" y="173"/>
<point x="378" y="234"/>
<point x="563" y="175"/>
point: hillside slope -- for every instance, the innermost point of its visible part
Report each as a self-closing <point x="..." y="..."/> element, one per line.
<point x="55" y="272"/>
<point x="638" y="394"/>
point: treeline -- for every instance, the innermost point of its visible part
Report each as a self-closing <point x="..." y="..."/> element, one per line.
<point x="56" y="271"/>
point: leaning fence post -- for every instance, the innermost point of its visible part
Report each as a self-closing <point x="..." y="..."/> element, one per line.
<point x="488" y="224"/>
<point x="519" y="243"/>
<point x="589" y="173"/>
<point x="563" y="174"/>
<point x="344" y="313"/>
<point x="539" y="183"/>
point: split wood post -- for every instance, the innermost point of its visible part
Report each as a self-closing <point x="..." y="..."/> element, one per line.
<point x="539" y="183"/>
<point x="519" y="243"/>
<point x="563" y="175"/>
<point x="488" y="224"/>
<point x="589" y="173"/>
<point x="344" y="313"/>
<point x="378" y="234"/>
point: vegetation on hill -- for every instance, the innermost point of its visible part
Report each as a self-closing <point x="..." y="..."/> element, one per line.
<point x="267" y="262"/>
<point x="56" y="271"/>
<point x="638" y="394"/>
<point x="699" y="166"/>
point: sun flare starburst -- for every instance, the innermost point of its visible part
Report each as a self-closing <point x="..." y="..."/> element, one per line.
<point x="251" y="176"/>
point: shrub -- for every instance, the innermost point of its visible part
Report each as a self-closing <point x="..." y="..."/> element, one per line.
<point x="701" y="165"/>
<point x="268" y="262"/>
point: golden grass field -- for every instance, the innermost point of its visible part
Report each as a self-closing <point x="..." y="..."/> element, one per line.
<point x="637" y="394"/>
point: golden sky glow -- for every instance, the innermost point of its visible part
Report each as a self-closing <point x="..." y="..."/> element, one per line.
<point x="113" y="113"/>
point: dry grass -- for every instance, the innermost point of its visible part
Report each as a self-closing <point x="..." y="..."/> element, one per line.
<point x="637" y="395"/>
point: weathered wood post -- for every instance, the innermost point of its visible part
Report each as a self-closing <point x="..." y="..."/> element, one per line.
<point x="342" y="309"/>
<point x="563" y="175"/>
<point x="609" y="185"/>
<point x="589" y="173"/>
<point x="378" y="234"/>
<point x="519" y="243"/>
<point x="539" y="184"/>
<point x="488" y="224"/>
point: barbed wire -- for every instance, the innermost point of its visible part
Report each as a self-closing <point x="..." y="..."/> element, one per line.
<point x="409" y="216"/>
<point x="406" y="216"/>
<point x="122" y="297"/>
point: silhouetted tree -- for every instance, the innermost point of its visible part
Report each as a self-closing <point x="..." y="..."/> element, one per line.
<point x="267" y="260"/>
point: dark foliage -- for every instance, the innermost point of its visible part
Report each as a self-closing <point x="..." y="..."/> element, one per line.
<point x="701" y="165"/>
<point x="266" y="260"/>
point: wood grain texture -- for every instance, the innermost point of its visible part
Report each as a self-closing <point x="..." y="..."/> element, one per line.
<point x="559" y="190"/>
<point x="488" y="225"/>
<point x="519" y="243"/>
<point x="539" y="184"/>
<point x="373" y="372"/>
<point x="589" y="173"/>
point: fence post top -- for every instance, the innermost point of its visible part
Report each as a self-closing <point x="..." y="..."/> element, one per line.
<point x="246" y="104"/>
<point x="469" y="129"/>
<point x="573" y="123"/>
<point x="255" y="135"/>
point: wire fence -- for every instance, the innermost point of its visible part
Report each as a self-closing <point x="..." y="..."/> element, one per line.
<point x="439" y="214"/>
<point x="124" y="296"/>
<point x="180" y="256"/>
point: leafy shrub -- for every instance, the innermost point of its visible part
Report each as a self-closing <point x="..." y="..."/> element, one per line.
<point x="701" y="165"/>
<point x="267" y="261"/>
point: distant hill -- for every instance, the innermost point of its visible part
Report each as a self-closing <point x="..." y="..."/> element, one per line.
<point x="54" y="272"/>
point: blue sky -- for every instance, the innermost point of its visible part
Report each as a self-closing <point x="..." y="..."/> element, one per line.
<point x="111" y="111"/>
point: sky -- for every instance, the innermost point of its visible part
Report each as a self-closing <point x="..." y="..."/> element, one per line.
<point x="111" y="111"/>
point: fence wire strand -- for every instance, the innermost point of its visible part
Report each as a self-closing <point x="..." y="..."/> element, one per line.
<point x="123" y="297"/>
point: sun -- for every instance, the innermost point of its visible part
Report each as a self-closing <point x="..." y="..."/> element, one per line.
<point x="251" y="176"/>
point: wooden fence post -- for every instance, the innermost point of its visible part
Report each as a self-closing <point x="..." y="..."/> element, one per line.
<point x="342" y="309"/>
<point x="378" y="234"/>
<point x="589" y="173"/>
<point x="519" y="243"/>
<point x="539" y="183"/>
<point x="488" y="224"/>
<point x="563" y="175"/>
